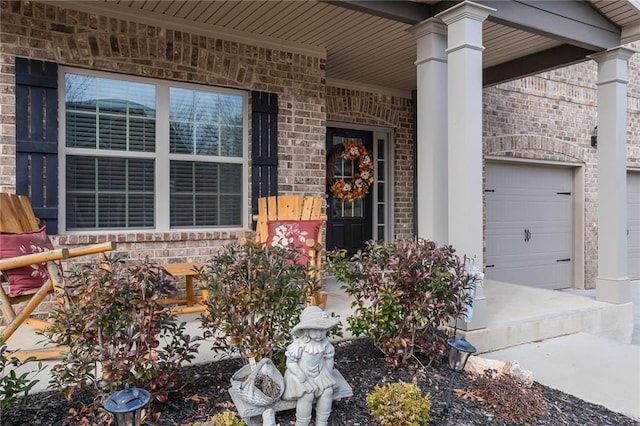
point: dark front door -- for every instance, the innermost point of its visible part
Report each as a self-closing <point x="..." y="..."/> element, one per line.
<point x="349" y="223"/>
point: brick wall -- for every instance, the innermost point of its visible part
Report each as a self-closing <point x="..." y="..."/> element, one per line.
<point x="550" y="117"/>
<point x="85" y="40"/>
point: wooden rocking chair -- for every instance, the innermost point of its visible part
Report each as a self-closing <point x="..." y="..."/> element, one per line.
<point x="303" y="212"/>
<point x="17" y="218"/>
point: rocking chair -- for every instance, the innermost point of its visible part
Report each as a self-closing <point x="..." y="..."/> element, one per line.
<point x="282" y="216"/>
<point x="29" y="277"/>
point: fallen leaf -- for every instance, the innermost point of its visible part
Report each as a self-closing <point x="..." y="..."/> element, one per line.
<point x="226" y="404"/>
<point x="469" y="395"/>
<point x="197" y="399"/>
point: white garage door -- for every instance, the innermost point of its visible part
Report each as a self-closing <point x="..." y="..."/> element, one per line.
<point x="529" y="231"/>
<point x="633" y="217"/>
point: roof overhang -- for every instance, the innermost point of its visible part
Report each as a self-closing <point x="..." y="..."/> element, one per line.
<point x="577" y="27"/>
<point x="369" y="43"/>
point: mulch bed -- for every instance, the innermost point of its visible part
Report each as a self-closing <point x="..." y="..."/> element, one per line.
<point x="363" y="366"/>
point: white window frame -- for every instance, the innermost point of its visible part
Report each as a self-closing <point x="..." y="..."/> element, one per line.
<point x="161" y="156"/>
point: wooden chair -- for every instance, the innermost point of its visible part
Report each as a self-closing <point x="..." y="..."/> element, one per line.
<point x="16" y="217"/>
<point x="295" y="207"/>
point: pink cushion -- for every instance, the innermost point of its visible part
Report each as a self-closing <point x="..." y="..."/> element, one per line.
<point x="31" y="276"/>
<point x="286" y="233"/>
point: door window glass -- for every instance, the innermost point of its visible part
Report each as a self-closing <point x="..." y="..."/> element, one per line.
<point x="344" y="170"/>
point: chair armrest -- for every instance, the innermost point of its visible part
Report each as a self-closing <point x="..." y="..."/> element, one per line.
<point x="313" y="244"/>
<point x="33" y="258"/>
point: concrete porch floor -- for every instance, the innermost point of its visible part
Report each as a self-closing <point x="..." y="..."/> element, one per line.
<point x="569" y="340"/>
<point x="519" y="314"/>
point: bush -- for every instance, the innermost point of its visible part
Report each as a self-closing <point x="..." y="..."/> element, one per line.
<point x="227" y="418"/>
<point x="403" y="292"/>
<point x="400" y="403"/>
<point x="114" y="325"/>
<point x="12" y="385"/>
<point x="508" y="398"/>
<point x="256" y="295"/>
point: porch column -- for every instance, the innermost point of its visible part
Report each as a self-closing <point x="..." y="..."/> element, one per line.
<point x="464" y="88"/>
<point x="612" y="284"/>
<point x="431" y="187"/>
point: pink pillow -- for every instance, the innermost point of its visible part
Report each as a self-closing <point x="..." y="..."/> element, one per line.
<point x="31" y="276"/>
<point x="286" y="233"/>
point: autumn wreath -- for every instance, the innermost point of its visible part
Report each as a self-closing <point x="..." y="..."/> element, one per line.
<point x="358" y="185"/>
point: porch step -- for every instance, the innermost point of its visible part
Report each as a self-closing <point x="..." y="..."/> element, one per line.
<point x="518" y="315"/>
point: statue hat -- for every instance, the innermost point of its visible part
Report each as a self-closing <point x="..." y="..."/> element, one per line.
<point x="314" y="318"/>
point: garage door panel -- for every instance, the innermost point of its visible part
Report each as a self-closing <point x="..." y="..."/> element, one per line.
<point x="506" y="210"/>
<point x="539" y="276"/>
<point x="529" y="231"/>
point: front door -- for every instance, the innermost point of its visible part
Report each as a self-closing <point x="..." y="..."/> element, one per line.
<point x="349" y="223"/>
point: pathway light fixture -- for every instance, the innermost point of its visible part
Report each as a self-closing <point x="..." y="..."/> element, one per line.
<point x="127" y="406"/>
<point x="459" y="352"/>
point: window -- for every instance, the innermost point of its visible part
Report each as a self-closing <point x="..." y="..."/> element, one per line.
<point x="143" y="154"/>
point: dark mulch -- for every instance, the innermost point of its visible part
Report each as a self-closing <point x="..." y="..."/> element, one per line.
<point x="363" y="367"/>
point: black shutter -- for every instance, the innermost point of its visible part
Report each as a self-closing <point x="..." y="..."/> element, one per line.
<point x="37" y="137"/>
<point x="264" y="146"/>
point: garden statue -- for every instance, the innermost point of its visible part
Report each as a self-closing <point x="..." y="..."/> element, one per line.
<point x="309" y="376"/>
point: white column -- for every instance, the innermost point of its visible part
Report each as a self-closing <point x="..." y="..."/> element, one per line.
<point x="612" y="284"/>
<point x="431" y="187"/>
<point x="464" y="22"/>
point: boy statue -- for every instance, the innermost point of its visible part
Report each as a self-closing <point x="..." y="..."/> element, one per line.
<point x="309" y="374"/>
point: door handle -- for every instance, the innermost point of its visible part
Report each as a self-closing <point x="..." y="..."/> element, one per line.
<point x="527" y="235"/>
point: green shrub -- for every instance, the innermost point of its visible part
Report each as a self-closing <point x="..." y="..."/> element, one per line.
<point x="400" y="403"/>
<point x="403" y="293"/>
<point x="12" y="384"/>
<point x="115" y="326"/>
<point x="256" y="295"/>
<point x="227" y="418"/>
<point x="508" y="398"/>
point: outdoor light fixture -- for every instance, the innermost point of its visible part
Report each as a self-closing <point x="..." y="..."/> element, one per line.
<point x="127" y="406"/>
<point x="594" y="137"/>
<point x="459" y="352"/>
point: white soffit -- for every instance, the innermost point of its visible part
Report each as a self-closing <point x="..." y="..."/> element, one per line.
<point x="145" y="16"/>
<point x="358" y="47"/>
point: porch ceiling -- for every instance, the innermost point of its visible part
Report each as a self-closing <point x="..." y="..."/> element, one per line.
<point x="367" y="43"/>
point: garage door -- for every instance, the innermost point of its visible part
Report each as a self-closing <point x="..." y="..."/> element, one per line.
<point x="529" y="232"/>
<point x="633" y="217"/>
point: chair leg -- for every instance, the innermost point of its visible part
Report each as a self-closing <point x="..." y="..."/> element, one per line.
<point x="28" y="309"/>
<point x="58" y="285"/>
<point x="8" y="313"/>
